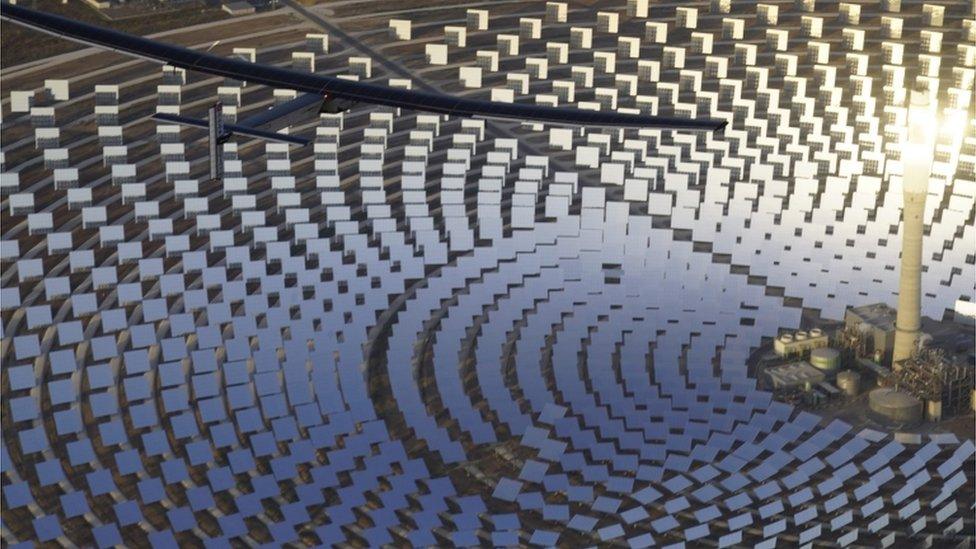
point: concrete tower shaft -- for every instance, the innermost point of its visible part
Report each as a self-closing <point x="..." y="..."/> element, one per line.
<point x="917" y="163"/>
<point x="909" y="319"/>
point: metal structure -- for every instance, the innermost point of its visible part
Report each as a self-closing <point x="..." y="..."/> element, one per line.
<point x="931" y="376"/>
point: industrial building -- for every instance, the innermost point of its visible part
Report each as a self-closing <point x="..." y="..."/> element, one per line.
<point x="800" y="343"/>
<point x="877" y="321"/>
<point x="794" y="375"/>
<point x="943" y="383"/>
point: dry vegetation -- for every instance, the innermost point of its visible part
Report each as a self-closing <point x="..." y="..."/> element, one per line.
<point x="20" y="45"/>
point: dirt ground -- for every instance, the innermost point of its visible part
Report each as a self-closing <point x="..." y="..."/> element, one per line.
<point x="20" y="45"/>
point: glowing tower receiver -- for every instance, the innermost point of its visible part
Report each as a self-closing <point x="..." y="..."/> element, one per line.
<point x="917" y="165"/>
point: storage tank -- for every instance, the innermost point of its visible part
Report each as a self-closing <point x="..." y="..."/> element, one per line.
<point x="849" y="381"/>
<point x="801" y="336"/>
<point x="896" y="405"/>
<point x="816" y="332"/>
<point x="826" y="359"/>
<point x="786" y="338"/>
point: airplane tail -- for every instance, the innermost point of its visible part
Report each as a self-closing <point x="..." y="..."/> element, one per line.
<point x="219" y="133"/>
<point x="216" y="137"/>
<point x="232" y="129"/>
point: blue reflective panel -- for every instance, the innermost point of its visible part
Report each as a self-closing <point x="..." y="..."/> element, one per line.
<point x="100" y="482"/>
<point x="74" y="504"/>
<point x="33" y="440"/>
<point x="24" y="408"/>
<point x="107" y="535"/>
<point x="136" y="388"/>
<point x="113" y="320"/>
<point x="21" y="377"/>
<point x="232" y="525"/>
<point x="127" y="512"/>
<point x="606" y="505"/>
<point x="200" y="498"/>
<point x="664" y="524"/>
<point x="544" y="538"/>
<point x="17" y="495"/>
<point x="504" y="539"/>
<point x="62" y="362"/>
<point x="181" y="519"/>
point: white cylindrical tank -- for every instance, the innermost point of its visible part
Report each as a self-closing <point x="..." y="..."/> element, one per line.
<point x="825" y="359"/>
<point x="896" y="405"/>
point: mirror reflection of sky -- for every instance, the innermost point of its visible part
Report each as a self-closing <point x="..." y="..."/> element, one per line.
<point x="451" y="338"/>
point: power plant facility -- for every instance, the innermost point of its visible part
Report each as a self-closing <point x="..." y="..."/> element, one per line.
<point x="819" y="365"/>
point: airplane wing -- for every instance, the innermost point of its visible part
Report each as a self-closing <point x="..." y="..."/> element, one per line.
<point x="335" y="87"/>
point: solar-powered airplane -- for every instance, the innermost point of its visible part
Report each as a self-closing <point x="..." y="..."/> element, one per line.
<point x="319" y="93"/>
